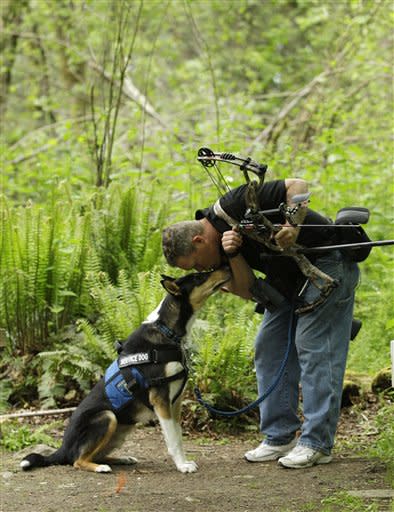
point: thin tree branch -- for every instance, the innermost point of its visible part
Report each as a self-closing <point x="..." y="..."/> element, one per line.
<point x="129" y="90"/>
<point x="266" y="135"/>
<point x="32" y="133"/>
<point x="29" y="156"/>
<point x="29" y="414"/>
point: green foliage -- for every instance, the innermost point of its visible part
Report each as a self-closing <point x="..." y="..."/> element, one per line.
<point x="383" y="446"/>
<point x="223" y="366"/>
<point x="99" y="154"/>
<point x="126" y="230"/>
<point x="123" y="307"/>
<point x="42" y="269"/>
<point x="83" y="355"/>
<point x="370" y="351"/>
<point x="46" y="256"/>
<point x="15" y="437"/>
<point x="61" y="263"/>
<point x="346" y="503"/>
<point x="18" y="382"/>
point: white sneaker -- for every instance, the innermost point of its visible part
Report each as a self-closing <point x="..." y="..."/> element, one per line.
<point x="304" y="457"/>
<point x="265" y="452"/>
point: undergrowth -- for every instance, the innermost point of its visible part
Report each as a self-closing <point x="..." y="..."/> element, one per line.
<point x="383" y="447"/>
<point x="338" y="502"/>
<point x="63" y="269"/>
<point x="15" y="437"/>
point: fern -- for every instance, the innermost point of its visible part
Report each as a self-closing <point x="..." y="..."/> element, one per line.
<point x="223" y="363"/>
<point x="126" y="231"/>
<point x="75" y="293"/>
<point x="72" y="363"/>
<point x="40" y="278"/>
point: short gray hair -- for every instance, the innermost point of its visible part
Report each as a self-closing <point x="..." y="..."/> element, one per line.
<point x="177" y="239"/>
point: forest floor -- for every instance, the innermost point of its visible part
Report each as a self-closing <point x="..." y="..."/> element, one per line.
<point x="225" y="482"/>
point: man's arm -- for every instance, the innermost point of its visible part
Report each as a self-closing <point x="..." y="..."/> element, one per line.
<point x="294" y="187"/>
<point x="242" y="274"/>
<point x="287" y="236"/>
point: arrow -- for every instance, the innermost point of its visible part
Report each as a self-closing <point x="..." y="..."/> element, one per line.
<point x="376" y="243"/>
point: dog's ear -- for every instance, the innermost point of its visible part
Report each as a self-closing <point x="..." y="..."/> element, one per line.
<point x="170" y="285"/>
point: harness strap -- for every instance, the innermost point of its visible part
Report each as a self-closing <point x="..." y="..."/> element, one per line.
<point x="136" y="379"/>
<point x="159" y="381"/>
<point x="164" y="353"/>
<point x="122" y="383"/>
<point x="168" y="332"/>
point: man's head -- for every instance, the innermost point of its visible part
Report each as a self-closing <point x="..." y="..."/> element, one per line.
<point x="192" y="244"/>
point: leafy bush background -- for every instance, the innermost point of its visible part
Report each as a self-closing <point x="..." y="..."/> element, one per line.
<point x="104" y="106"/>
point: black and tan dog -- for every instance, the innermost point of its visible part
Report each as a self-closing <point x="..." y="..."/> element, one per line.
<point x="148" y="376"/>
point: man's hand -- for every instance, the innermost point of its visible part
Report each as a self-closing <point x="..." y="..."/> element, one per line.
<point x="287" y="236"/>
<point x="242" y="275"/>
<point x="231" y="242"/>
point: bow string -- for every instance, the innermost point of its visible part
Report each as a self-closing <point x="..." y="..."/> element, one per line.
<point x="209" y="159"/>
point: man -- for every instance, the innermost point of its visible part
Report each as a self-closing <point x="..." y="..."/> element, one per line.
<point x="318" y="355"/>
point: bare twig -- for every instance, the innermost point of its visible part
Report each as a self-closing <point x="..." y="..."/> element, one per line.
<point x="129" y="90"/>
<point x="267" y="133"/>
<point x="204" y="45"/>
<point x="32" y="133"/>
<point x="28" y="414"/>
<point x="23" y="158"/>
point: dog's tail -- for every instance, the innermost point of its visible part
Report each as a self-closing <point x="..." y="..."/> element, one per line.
<point x="36" y="460"/>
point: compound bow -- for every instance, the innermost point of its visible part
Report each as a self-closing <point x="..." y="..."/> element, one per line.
<point x="257" y="226"/>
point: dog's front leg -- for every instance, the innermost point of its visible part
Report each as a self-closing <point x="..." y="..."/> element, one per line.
<point x="172" y="432"/>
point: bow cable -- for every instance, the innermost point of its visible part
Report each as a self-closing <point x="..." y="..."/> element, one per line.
<point x="217" y="178"/>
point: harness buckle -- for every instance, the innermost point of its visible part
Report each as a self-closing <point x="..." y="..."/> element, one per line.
<point x="154" y="355"/>
<point x="131" y="385"/>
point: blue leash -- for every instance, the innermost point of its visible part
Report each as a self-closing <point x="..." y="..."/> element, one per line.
<point x="270" y="389"/>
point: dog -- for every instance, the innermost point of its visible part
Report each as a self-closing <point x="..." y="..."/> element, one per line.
<point x="147" y="379"/>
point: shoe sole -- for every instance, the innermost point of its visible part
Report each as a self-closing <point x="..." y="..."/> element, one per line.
<point x="265" y="459"/>
<point x="323" y="460"/>
<point x="270" y="458"/>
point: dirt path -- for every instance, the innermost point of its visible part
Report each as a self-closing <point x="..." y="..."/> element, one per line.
<point x="224" y="482"/>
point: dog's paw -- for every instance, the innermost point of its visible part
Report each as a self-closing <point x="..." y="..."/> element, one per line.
<point x="103" y="468"/>
<point x="187" y="467"/>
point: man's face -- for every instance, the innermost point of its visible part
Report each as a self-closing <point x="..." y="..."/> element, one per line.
<point x="205" y="256"/>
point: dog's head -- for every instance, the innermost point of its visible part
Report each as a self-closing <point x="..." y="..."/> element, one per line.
<point x="196" y="287"/>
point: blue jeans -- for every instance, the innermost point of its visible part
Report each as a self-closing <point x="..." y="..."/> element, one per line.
<point x="317" y="360"/>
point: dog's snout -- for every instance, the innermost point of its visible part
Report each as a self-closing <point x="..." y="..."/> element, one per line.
<point x="225" y="271"/>
<point x="221" y="276"/>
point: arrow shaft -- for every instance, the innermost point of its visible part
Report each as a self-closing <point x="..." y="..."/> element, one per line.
<point x="376" y="243"/>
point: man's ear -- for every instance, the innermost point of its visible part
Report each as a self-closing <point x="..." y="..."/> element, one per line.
<point x="197" y="239"/>
<point x="170" y="285"/>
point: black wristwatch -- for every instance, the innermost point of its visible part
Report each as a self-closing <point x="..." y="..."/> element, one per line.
<point x="232" y="254"/>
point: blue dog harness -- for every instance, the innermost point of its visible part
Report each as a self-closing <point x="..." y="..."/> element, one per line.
<point x="125" y="375"/>
<point x="118" y="391"/>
